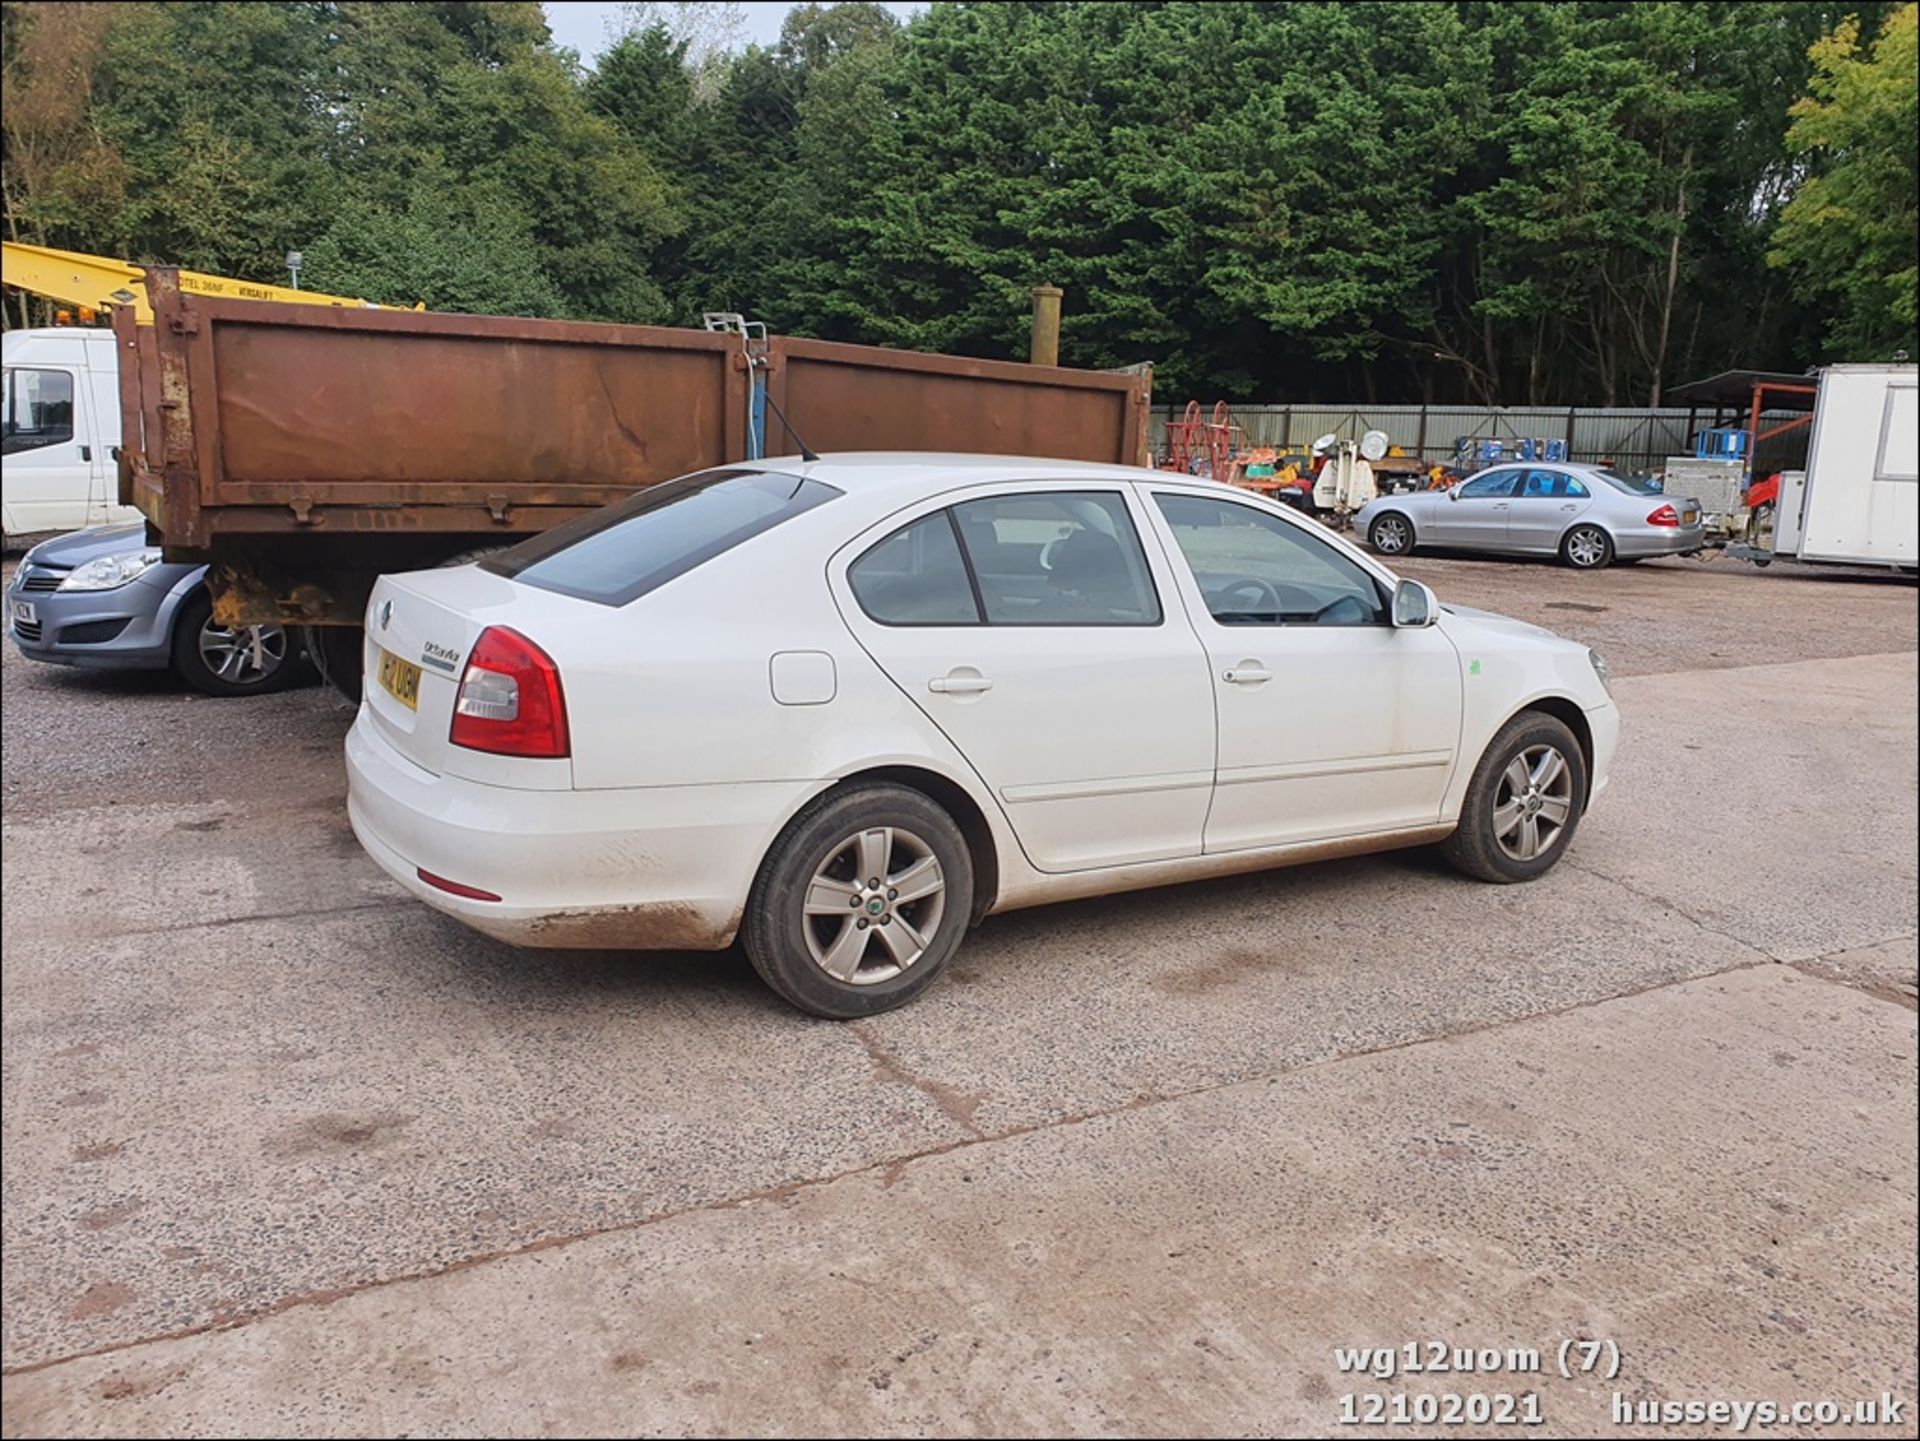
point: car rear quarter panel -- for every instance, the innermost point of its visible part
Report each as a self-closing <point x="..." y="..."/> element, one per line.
<point x="676" y="688"/>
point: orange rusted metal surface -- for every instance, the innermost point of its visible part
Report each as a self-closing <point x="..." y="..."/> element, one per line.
<point x="863" y="397"/>
<point x="250" y="419"/>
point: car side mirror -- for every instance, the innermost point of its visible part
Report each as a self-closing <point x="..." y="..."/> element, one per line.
<point x="1415" y="606"/>
<point x="1453" y="492"/>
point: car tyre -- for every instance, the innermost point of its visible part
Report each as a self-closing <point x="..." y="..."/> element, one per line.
<point x="1519" y="795"/>
<point x="1391" y="534"/>
<point x="883" y="949"/>
<point x="1587" y="547"/>
<point x="215" y="660"/>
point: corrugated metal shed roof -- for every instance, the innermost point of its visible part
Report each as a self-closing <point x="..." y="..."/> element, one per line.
<point x="1735" y="387"/>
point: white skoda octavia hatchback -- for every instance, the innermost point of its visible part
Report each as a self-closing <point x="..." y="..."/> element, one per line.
<point x="844" y="708"/>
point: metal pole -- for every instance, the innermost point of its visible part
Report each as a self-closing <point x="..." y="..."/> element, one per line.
<point x="1044" y="349"/>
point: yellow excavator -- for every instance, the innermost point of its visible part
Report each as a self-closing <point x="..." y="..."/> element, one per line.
<point x="97" y="282"/>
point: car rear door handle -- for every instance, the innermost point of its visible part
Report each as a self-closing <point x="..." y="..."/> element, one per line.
<point x="1246" y="674"/>
<point x="959" y="684"/>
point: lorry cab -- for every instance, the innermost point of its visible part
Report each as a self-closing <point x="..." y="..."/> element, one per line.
<point x="61" y="411"/>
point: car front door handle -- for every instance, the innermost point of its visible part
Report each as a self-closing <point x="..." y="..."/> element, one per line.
<point x="1246" y="673"/>
<point x="959" y="684"/>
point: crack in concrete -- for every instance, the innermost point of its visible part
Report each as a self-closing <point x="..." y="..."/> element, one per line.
<point x="956" y="1106"/>
<point x="1892" y="995"/>
<point x="1904" y="994"/>
<point x="185" y="927"/>
<point x="888" y="1170"/>
<point x="1675" y="908"/>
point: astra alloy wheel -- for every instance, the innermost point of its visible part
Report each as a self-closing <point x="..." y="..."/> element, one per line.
<point x="1523" y="804"/>
<point x="231" y="660"/>
<point x="861" y="902"/>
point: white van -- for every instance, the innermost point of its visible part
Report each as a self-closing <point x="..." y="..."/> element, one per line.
<point x="62" y="424"/>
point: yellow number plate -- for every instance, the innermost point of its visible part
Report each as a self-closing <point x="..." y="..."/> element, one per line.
<point x="1692" y="516"/>
<point x="401" y="679"/>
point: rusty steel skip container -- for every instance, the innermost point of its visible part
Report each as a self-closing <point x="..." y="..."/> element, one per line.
<point x="302" y="450"/>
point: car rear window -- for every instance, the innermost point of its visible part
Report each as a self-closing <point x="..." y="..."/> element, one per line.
<point x="1631" y="484"/>
<point x="639" y="544"/>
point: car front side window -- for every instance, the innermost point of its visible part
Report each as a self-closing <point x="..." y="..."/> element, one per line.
<point x="1258" y="569"/>
<point x="1490" y="486"/>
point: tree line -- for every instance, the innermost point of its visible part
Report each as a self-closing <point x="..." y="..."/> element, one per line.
<point x="1522" y="203"/>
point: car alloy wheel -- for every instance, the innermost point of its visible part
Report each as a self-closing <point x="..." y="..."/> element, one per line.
<point x="1391" y="535"/>
<point x="242" y="656"/>
<point x="1534" y="803"/>
<point x="874" y="905"/>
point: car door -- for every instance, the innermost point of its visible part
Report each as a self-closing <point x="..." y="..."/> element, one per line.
<point x="1332" y="722"/>
<point x="1474" y="513"/>
<point x="46" y="481"/>
<point x="1034" y="629"/>
<point x="1545" y="503"/>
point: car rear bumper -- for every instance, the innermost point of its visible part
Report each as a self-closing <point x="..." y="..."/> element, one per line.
<point x="1655" y="540"/>
<point x="660" y="868"/>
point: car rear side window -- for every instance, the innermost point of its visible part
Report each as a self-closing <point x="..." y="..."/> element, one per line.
<point x="916" y="577"/>
<point x="639" y="544"/>
<point x="1057" y="557"/>
<point x="1552" y="485"/>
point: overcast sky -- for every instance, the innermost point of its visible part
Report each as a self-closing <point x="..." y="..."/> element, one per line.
<point x="582" y="26"/>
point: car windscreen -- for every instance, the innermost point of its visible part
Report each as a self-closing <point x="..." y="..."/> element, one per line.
<point x="639" y="544"/>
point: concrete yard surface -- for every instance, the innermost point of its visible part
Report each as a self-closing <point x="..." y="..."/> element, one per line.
<point x="286" y="1152"/>
<point x="1186" y="1264"/>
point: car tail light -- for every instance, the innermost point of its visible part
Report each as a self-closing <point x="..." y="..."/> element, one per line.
<point x="510" y="701"/>
<point x="1666" y="515"/>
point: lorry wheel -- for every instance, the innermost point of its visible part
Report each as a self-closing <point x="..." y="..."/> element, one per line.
<point x="468" y="557"/>
<point x="338" y="652"/>
<point x="231" y="660"/>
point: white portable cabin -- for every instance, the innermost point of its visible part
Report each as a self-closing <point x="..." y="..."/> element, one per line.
<point x="62" y="423"/>
<point x="1859" y="503"/>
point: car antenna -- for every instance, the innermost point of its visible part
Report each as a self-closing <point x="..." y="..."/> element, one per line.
<point x="806" y="452"/>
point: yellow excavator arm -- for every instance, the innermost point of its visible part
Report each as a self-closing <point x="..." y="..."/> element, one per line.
<point x="100" y="282"/>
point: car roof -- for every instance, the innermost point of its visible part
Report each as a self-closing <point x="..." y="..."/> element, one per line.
<point x="882" y="473"/>
<point x="1579" y="466"/>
